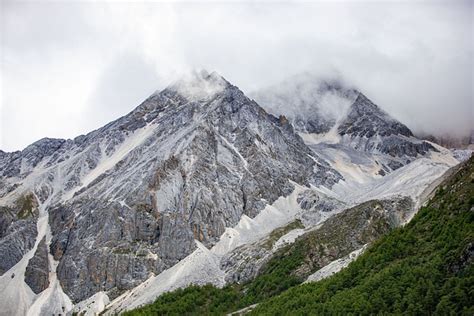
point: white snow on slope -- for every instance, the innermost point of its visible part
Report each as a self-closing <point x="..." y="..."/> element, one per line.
<point x="203" y="265"/>
<point x="288" y="238"/>
<point x="410" y="180"/>
<point x="108" y="162"/>
<point x="16" y="297"/>
<point x="200" y="267"/>
<point x="93" y="305"/>
<point x="335" y="266"/>
<point x="53" y="300"/>
<point x="248" y="230"/>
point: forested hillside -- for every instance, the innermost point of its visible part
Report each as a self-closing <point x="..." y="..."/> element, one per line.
<point x="423" y="268"/>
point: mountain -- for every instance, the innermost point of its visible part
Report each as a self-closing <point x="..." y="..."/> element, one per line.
<point x="369" y="128"/>
<point x="349" y="119"/>
<point x="312" y="104"/>
<point x="192" y="187"/>
<point x="130" y="198"/>
<point x="424" y="268"/>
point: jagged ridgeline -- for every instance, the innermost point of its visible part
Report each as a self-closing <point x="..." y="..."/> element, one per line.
<point x="423" y="268"/>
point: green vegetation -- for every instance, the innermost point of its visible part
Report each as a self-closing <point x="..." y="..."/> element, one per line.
<point x="423" y="268"/>
<point x="26" y="205"/>
<point x="122" y="251"/>
<point x="193" y="300"/>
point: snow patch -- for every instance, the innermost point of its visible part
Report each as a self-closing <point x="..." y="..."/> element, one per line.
<point x="108" y="162"/>
<point x="93" y="305"/>
<point x="288" y="238"/>
<point x="335" y="266"/>
<point x="200" y="267"/>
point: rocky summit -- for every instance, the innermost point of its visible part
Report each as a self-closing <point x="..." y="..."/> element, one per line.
<point x="193" y="164"/>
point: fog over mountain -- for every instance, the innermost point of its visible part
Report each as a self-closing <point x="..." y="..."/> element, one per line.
<point x="67" y="68"/>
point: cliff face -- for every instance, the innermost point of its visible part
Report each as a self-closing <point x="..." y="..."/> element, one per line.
<point x="106" y="211"/>
<point x="129" y="199"/>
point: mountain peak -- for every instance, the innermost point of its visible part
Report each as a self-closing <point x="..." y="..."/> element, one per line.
<point x="199" y="84"/>
<point x="366" y="119"/>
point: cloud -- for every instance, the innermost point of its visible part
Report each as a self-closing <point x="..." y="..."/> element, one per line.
<point x="67" y="68"/>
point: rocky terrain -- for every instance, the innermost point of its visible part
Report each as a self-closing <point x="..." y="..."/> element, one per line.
<point x="197" y="173"/>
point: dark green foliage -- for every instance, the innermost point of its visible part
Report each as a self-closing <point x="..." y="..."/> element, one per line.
<point x="193" y="300"/>
<point x="26" y="205"/>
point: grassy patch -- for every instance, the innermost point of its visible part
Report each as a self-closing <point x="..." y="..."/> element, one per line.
<point x="27" y="206"/>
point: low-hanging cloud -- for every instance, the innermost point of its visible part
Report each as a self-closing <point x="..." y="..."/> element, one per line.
<point x="67" y="68"/>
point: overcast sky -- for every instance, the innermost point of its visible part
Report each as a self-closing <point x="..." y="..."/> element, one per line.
<point x="69" y="67"/>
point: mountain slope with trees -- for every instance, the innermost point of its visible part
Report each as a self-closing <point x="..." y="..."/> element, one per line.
<point x="423" y="268"/>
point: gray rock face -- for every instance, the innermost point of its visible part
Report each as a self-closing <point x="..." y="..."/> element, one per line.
<point x="17" y="230"/>
<point x="380" y="132"/>
<point x="129" y="199"/>
<point x="365" y="119"/>
<point x="18" y="239"/>
<point x="37" y="271"/>
<point x="20" y="163"/>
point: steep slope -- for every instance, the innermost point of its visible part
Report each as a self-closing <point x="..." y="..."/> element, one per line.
<point x="291" y="264"/>
<point x="369" y="128"/>
<point x="244" y="249"/>
<point x="129" y="200"/>
<point x="183" y="190"/>
<point x="312" y="104"/>
<point x="423" y="268"/>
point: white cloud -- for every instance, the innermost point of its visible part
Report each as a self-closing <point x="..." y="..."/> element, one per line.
<point x="67" y="68"/>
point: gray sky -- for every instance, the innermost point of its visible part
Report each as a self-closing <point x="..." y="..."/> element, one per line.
<point x="70" y="67"/>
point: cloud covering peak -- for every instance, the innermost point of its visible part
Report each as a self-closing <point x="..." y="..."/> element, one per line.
<point x="70" y="67"/>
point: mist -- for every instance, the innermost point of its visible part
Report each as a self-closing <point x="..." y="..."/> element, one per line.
<point x="68" y="68"/>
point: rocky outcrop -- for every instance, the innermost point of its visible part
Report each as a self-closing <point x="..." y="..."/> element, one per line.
<point x="356" y="227"/>
<point x="37" y="271"/>
<point x="244" y="263"/>
<point x="18" y="239"/>
<point x="17" y="230"/>
<point x="335" y="238"/>
<point x="371" y="129"/>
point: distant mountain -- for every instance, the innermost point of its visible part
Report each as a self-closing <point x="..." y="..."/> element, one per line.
<point x="449" y="141"/>
<point x="369" y="128"/>
<point x="327" y="110"/>
<point x="312" y="104"/>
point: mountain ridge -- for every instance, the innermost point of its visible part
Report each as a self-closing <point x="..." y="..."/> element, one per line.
<point x="185" y="176"/>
